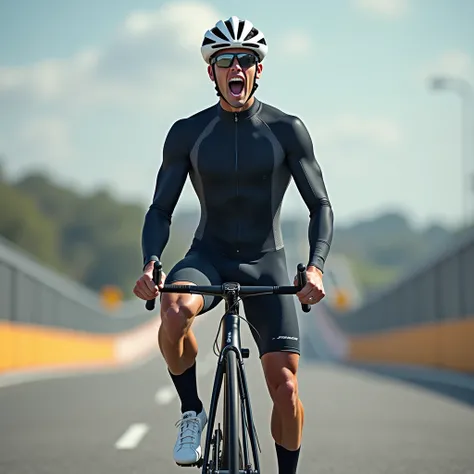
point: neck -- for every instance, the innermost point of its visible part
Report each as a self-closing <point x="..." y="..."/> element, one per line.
<point x="229" y="108"/>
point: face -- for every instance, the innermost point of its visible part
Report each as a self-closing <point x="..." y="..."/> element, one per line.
<point x="235" y="82"/>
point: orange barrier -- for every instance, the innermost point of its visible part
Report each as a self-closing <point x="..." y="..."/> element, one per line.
<point x="24" y="346"/>
<point x="28" y="346"/>
<point x="448" y="345"/>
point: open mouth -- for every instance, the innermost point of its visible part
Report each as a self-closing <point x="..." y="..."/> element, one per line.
<point x="236" y="86"/>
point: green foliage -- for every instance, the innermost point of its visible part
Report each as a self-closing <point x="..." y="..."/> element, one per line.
<point x="381" y="249"/>
<point x="23" y="223"/>
<point x="91" y="238"/>
<point x="96" y="239"/>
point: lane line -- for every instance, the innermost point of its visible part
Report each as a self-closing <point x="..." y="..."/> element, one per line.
<point x="132" y="437"/>
<point x="165" y="395"/>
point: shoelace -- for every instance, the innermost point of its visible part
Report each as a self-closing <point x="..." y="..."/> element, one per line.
<point x="188" y="424"/>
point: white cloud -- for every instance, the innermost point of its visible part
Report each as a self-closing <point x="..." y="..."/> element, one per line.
<point x="47" y="108"/>
<point x="153" y="52"/>
<point x="453" y="63"/>
<point x="384" y="8"/>
<point x="351" y="129"/>
<point x="295" y="42"/>
<point x="44" y="142"/>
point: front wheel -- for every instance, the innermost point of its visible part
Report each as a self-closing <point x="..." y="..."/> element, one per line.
<point x="232" y="459"/>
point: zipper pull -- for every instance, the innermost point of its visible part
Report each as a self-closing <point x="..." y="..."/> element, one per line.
<point x="235" y="117"/>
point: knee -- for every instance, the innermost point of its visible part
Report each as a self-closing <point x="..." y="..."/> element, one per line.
<point x="175" y="319"/>
<point x="284" y="389"/>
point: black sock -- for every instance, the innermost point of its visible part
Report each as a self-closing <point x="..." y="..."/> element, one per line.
<point x="186" y="386"/>
<point x="287" y="460"/>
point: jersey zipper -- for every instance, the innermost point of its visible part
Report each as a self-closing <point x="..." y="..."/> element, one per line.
<point x="236" y="119"/>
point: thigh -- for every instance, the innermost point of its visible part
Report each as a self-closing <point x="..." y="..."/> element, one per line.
<point x="197" y="269"/>
<point x="273" y="318"/>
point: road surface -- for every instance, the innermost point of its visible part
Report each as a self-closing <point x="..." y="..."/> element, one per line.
<point x="123" y="421"/>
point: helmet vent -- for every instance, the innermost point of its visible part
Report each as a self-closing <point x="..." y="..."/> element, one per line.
<point x="262" y="41"/>
<point x="207" y="41"/>
<point x="219" y="33"/>
<point x="253" y="32"/>
<point x="241" y="28"/>
<point x="250" y="45"/>
<point x="230" y="28"/>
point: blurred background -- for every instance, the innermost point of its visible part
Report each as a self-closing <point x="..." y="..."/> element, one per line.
<point x="88" y="92"/>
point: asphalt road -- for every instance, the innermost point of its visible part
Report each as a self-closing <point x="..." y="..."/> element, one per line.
<point x="123" y="422"/>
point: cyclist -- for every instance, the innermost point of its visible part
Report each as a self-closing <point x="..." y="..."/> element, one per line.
<point x="240" y="155"/>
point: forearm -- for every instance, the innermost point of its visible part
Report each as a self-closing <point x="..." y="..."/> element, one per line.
<point x="320" y="233"/>
<point x="155" y="234"/>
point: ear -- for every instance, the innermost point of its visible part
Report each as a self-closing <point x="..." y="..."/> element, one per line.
<point x="210" y="72"/>
<point x="258" y="73"/>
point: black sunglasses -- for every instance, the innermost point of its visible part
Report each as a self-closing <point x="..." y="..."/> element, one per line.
<point x="226" y="60"/>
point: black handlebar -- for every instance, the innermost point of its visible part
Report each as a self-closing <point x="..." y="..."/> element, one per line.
<point x="302" y="279"/>
<point x="218" y="289"/>
<point x="150" y="304"/>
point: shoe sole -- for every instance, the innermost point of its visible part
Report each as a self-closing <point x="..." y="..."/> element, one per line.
<point x="194" y="464"/>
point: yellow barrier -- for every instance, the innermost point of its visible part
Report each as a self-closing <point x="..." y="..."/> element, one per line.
<point x="26" y="346"/>
<point x="448" y="345"/>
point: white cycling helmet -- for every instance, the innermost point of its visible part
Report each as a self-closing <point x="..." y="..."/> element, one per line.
<point x="233" y="33"/>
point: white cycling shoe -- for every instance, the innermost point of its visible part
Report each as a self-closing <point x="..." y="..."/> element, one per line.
<point x="187" y="450"/>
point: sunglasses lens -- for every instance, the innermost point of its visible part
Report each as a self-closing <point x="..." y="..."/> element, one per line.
<point x="246" y="60"/>
<point x="224" y="60"/>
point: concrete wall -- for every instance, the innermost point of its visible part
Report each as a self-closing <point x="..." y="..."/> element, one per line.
<point x="427" y="318"/>
<point x="47" y="320"/>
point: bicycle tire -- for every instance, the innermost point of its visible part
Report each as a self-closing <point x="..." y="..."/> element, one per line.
<point x="232" y="458"/>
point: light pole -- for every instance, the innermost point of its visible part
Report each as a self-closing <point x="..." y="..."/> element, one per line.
<point x="464" y="89"/>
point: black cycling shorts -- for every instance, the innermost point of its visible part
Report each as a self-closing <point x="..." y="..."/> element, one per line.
<point x="273" y="316"/>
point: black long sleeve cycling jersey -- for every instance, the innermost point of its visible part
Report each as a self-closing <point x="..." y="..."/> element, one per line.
<point x="240" y="165"/>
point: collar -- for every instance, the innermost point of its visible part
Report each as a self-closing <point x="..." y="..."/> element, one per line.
<point x="245" y="114"/>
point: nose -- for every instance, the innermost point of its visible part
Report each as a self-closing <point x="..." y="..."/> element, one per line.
<point x="236" y="65"/>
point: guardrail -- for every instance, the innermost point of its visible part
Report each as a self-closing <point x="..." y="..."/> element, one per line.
<point x="439" y="290"/>
<point x="425" y="319"/>
<point x="33" y="294"/>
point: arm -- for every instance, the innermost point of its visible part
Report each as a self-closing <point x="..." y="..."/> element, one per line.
<point x="309" y="180"/>
<point x="169" y="184"/>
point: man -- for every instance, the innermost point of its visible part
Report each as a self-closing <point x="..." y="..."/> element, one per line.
<point x="240" y="155"/>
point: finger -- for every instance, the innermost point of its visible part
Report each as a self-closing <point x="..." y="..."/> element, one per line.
<point x="162" y="282"/>
<point x="305" y="291"/>
<point x="149" y="283"/>
<point x="313" y="296"/>
<point x="145" y="290"/>
<point x="317" y="296"/>
<point x="138" y="293"/>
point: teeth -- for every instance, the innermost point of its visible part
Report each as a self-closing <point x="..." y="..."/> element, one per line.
<point x="236" y="79"/>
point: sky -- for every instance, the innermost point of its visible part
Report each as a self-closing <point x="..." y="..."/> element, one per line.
<point x="89" y="90"/>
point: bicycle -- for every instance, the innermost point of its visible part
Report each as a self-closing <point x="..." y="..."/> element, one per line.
<point x="226" y="450"/>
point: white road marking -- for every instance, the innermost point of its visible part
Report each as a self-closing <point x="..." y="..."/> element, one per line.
<point x="165" y="395"/>
<point x="132" y="437"/>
